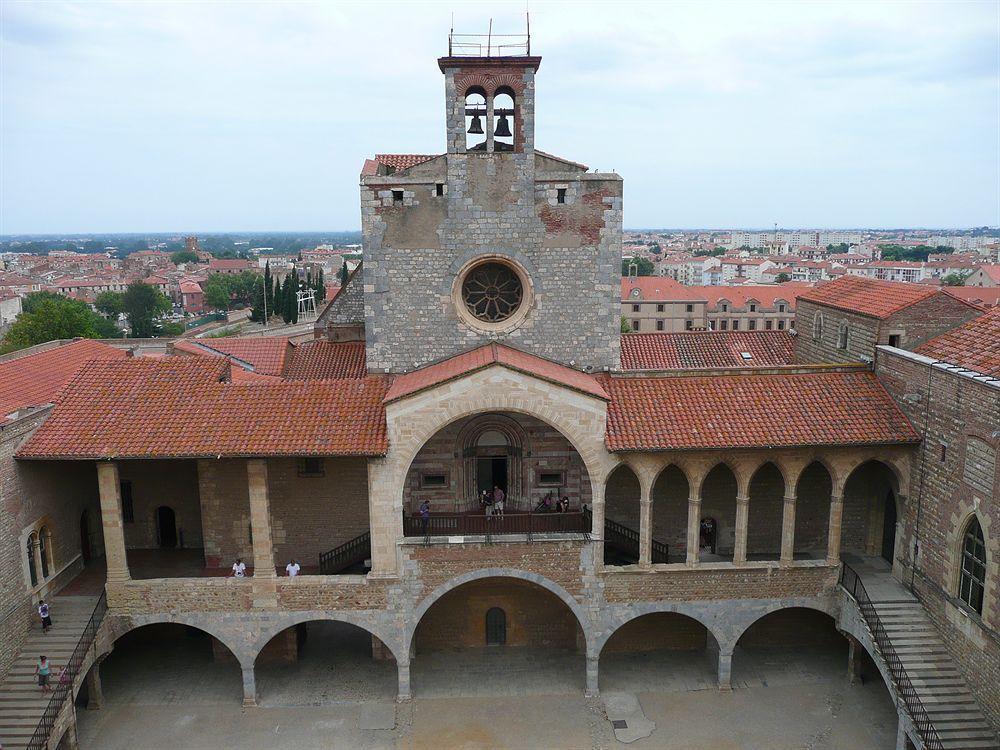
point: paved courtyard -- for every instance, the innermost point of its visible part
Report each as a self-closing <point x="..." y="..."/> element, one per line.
<point x="516" y="699"/>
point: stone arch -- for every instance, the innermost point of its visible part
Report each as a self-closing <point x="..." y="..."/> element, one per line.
<point x="635" y="611"/>
<point x="192" y="620"/>
<point x="814" y="488"/>
<point x="794" y="474"/>
<point x="623" y="494"/>
<point x="720" y="488"/>
<point x="738" y="473"/>
<point x="825" y="607"/>
<point x="359" y="620"/>
<point x="670" y="492"/>
<point x="766" y="492"/>
<point x="477" y="575"/>
<point x="867" y="525"/>
<point x="956" y="539"/>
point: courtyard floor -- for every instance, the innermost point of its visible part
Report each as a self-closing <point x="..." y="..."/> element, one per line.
<point x="174" y="696"/>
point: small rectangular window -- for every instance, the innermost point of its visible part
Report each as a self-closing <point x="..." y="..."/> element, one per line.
<point x="561" y="195"/>
<point x="397" y="196"/>
<point x="781" y="308"/>
<point x="752" y="325"/>
<point x="711" y="325"/>
<point x="659" y="325"/>
<point x="768" y="325"/>
<point x="635" y="308"/>
<point x="659" y="308"/>
<point x="736" y="325"/>
<point x="894" y="340"/>
<point x="753" y="307"/>
<point x="311" y="467"/>
<point x="551" y="478"/>
<point x="723" y="325"/>
<point x="944" y="451"/>
<point x="635" y="325"/>
<point x="781" y="325"/>
<point x="689" y="308"/>
<point x="430" y="481"/>
<point x="725" y="307"/>
<point x="439" y="189"/>
<point x="128" y="507"/>
<point x="688" y="325"/>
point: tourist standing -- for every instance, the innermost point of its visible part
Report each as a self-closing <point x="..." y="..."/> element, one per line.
<point x="43" y="612"/>
<point x="239" y="568"/>
<point x="425" y="516"/>
<point x="498" y="498"/>
<point x="43" y="670"/>
<point x="292" y="568"/>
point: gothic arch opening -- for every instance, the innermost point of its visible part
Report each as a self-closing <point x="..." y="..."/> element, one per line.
<point x="868" y="527"/>
<point x="462" y="645"/>
<point x="670" y="514"/>
<point x="765" y="513"/>
<point x="475" y="119"/>
<point x="324" y="662"/>
<point x="504" y="119"/>
<point x="812" y="512"/>
<point x="717" y="527"/>
<point x="622" y="495"/>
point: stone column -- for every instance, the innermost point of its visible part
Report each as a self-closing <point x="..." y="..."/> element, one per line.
<point x="724" y="665"/>
<point x="403" y="676"/>
<point x="788" y="530"/>
<point x="488" y="123"/>
<point x="249" y="686"/>
<point x="646" y="529"/>
<point x="69" y="740"/>
<point x="597" y="527"/>
<point x="742" y="516"/>
<point x="902" y="741"/>
<point x="694" y="528"/>
<point x="833" y="535"/>
<point x="111" y="519"/>
<point x="385" y="515"/>
<point x="593" y="690"/>
<point x="853" y="661"/>
<point x="265" y="579"/>
<point x="95" y="692"/>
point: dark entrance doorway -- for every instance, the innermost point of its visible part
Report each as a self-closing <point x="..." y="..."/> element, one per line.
<point x="85" y="536"/>
<point x="496" y="627"/>
<point x="708" y="533"/>
<point x="491" y="471"/>
<point x="166" y="527"/>
<point x="889" y="527"/>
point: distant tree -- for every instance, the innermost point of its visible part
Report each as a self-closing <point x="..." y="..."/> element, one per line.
<point x="268" y="288"/>
<point x="320" y="287"/>
<point x="257" y="310"/>
<point x="643" y="266"/>
<point x="46" y="317"/>
<point x="710" y="253"/>
<point x="217" y="291"/>
<point x="171" y="329"/>
<point x="955" y="279"/>
<point x="144" y="305"/>
<point x="110" y="304"/>
<point x="344" y="273"/>
<point x="183" y="256"/>
<point x="626" y="326"/>
<point x="278" y="308"/>
<point x="782" y="277"/>
<point x="655" y="249"/>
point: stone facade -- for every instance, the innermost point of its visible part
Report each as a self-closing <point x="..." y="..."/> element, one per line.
<point x="537" y="213"/>
<point x="907" y="328"/>
<point x="953" y="408"/>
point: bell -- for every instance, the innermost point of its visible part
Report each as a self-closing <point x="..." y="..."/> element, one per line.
<point x="503" y="129"/>
<point x="476" y="128"/>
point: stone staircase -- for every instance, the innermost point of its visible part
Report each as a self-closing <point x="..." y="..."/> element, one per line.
<point x="22" y="702"/>
<point x="940" y="686"/>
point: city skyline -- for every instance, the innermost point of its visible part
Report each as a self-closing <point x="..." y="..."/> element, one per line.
<point x="164" y="117"/>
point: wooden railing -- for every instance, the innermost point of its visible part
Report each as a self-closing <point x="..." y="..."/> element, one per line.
<point x="906" y="694"/>
<point x="475" y="524"/>
<point x="64" y="687"/>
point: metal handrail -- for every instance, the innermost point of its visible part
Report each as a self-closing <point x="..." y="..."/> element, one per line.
<point x="659" y="551"/>
<point x="489" y="526"/>
<point x="906" y="694"/>
<point x="64" y="687"/>
<point x="353" y="550"/>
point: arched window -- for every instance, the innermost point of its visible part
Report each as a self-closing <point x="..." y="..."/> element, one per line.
<point x="843" y="336"/>
<point x="475" y="119"/>
<point x="818" y="326"/>
<point x="496" y="627"/>
<point x="973" y="580"/>
<point x="30" y="551"/>
<point x="503" y="120"/>
<point x="44" y="539"/>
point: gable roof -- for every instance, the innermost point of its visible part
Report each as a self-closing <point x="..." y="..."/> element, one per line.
<point x="186" y="407"/>
<point x="871" y="297"/>
<point x="485" y="356"/>
<point x="267" y="354"/>
<point x="752" y="411"/>
<point x="767" y="295"/>
<point x="37" y="379"/>
<point x="656" y="289"/>
<point x="687" y="350"/>
<point x="974" y="346"/>
<point x="326" y="360"/>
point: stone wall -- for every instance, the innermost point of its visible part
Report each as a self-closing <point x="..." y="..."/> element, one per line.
<point x="950" y="408"/>
<point x="660" y="631"/>
<point x="173" y="484"/>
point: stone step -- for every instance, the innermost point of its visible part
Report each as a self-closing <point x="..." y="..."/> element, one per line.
<point x="970" y="745"/>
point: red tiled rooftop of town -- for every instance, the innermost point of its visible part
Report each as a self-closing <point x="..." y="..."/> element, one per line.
<point x="974" y="346"/>
<point x="184" y="407"/>
<point x="267" y="354"/>
<point x="37" y="379"/>
<point x="983" y="296"/>
<point x="767" y="295"/>
<point x="705" y="350"/>
<point x="656" y="289"/>
<point x="325" y="360"/>
<point x="485" y="356"/>
<point x="877" y="299"/>
<point x="751" y="411"/>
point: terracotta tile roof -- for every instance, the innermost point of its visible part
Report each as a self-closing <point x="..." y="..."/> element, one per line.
<point x="562" y="159"/>
<point x="267" y="354"/>
<point x="325" y="360"/>
<point x="486" y="356"/>
<point x="984" y="296"/>
<point x="37" y="379"/>
<point x="975" y="345"/>
<point x="403" y="161"/>
<point x="992" y="271"/>
<point x="766" y="295"/>
<point x="184" y="407"/>
<point x="705" y="349"/>
<point x="877" y="299"/>
<point x="752" y="411"/>
<point x="226" y="263"/>
<point x="656" y="289"/>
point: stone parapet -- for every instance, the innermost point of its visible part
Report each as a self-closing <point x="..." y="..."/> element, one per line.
<point x="180" y="595"/>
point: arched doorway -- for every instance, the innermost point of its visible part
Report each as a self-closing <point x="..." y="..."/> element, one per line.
<point x="471" y="639"/>
<point x="871" y="494"/>
<point x="85" y="536"/>
<point x="670" y="511"/>
<point x="889" y="527"/>
<point x="813" y="492"/>
<point x="166" y="527"/>
<point x="622" y="499"/>
<point x="324" y="662"/>
<point x="660" y="651"/>
<point x="717" y="525"/>
<point x="764" y="515"/>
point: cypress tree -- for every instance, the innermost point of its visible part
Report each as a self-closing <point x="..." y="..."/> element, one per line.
<point x="293" y="300"/>
<point x="268" y="288"/>
<point x="278" y="301"/>
<point x="320" y="287"/>
<point x="344" y="273"/>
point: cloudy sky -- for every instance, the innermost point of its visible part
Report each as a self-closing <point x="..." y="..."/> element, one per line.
<point x="190" y="116"/>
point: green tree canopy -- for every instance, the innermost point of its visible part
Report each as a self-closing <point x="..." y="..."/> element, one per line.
<point x="955" y="279"/>
<point x="183" y="256"/>
<point x="144" y="305"/>
<point x="111" y="304"/>
<point x="644" y="267"/>
<point x="782" y="277"/>
<point x="46" y="317"/>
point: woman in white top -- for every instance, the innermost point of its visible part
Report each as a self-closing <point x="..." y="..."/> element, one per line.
<point x="239" y="568"/>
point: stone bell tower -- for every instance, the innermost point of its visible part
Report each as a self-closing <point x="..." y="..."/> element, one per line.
<point x="492" y="240"/>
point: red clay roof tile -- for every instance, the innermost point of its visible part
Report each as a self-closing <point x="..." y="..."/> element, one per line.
<point x="751" y="411"/>
<point x="975" y="345"/>
<point x="705" y="350"/>
<point x="325" y="360"/>
<point x="877" y="299"/>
